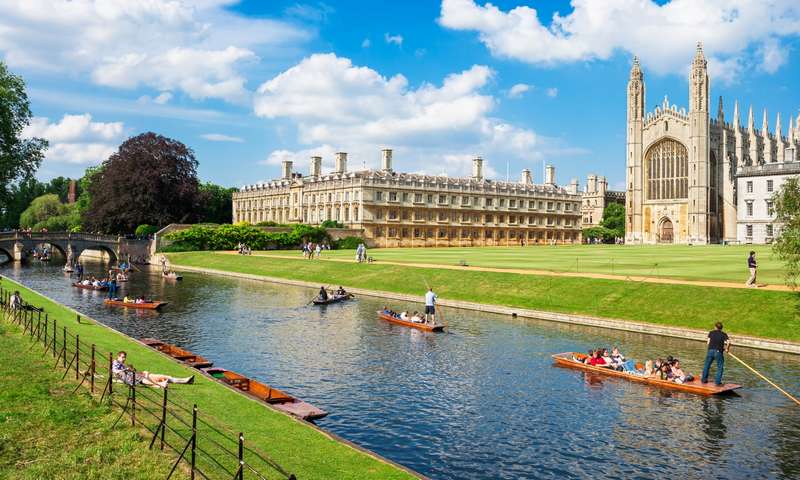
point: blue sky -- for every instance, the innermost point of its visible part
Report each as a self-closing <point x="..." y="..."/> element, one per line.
<point x="248" y="84"/>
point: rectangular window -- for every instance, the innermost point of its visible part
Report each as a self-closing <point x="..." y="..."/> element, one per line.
<point x="549" y="205"/>
<point x="749" y="187"/>
<point x="464" y="200"/>
<point x="489" y="218"/>
<point x="502" y="202"/>
<point x="488" y="202"/>
<point x="512" y="219"/>
<point x="417" y="198"/>
<point x="443" y="199"/>
<point x="392" y="196"/>
<point x="430" y="198"/>
<point x="769" y="230"/>
<point x="392" y="232"/>
<point x="378" y="196"/>
<point x="416" y="233"/>
<point x="749" y="209"/>
<point x="769" y="185"/>
<point x="770" y="211"/>
<point x="567" y="207"/>
<point x="748" y="230"/>
<point x="531" y="205"/>
<point x="404" y="233"/>
<point x="404" y="214"/>
<point x="442" y="216"/>
<point x="405" y="196"/>
<point x="419" y="215"/>
<point x="346" y="196"/>
<point x="392" y="214"/>
<point x="512" y="203"/>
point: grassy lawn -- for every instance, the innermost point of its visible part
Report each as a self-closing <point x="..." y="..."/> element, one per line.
<point x="297" y="447"/>
<point x="705" y="262"/>
<point x="46" y="431"/>
<point x="752" y="312"/>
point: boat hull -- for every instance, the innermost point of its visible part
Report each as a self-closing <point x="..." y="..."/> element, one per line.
<point x="334" y="299"/>
<point x="185" y="356"/>
<point x="406" y="323"/>
<point x="695" y="386"/>
<point x="141" y="306"/>
<point x="90" y="287"/>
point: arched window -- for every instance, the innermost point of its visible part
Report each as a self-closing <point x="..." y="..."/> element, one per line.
<point x="667" y="164"/>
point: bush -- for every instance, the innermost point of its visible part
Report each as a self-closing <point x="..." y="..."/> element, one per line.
<point x="348" y="243"/>
<point x="227" y="237"/>
<point x="331" y="224"/>
<point x="145" y="230"/>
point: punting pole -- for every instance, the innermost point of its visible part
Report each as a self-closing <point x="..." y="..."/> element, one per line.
<point x="765" y="378"/>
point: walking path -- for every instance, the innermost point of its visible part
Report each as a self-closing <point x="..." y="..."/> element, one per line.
<point x="605" y="276"/>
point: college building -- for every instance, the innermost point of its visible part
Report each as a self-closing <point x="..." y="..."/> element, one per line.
<point x="689" y="176"/>
<point x="595" y="198"/>
<point x="394" y="209"/>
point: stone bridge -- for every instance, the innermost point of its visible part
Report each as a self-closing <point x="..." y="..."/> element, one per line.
<point x="16" y="245"/>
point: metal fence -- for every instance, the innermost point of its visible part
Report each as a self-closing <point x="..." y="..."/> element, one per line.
<point x="208" y="449"/>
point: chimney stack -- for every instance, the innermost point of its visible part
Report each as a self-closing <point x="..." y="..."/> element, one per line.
<point x="316" y="166"/>
<point x="286" y="169"/>
<point x="526" y="177"/>
<point x="386" y="159"/>
<point x="341" y="162"/>
<point x="550" y="175"/>
<point x="591" y="183"/>
<point x="477" y="168"/>
<point x="72" y="194"/>
<point x="573" y="186"/>
<point x="602" y="185"/>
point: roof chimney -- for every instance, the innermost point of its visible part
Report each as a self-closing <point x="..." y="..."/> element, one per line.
<point x="477" y="168"/>
<point x="526" y="177"/>
<point x="550" y="175"/>
<point x="286" y="169"/>
<point x="72" y="195"/>
<point x="386" y="159"/>
<point x="316" y="166"/>
<point x="573" y="186"/>
<point x="341" y="162"/>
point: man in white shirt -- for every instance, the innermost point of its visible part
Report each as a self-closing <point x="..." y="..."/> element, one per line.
<point x="430" y="306"/>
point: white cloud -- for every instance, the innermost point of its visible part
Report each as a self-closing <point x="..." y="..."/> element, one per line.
<point x="365" y="43"/>
<point x="333" y="103"/>
<point x="314" y="13"/>
<point x="76" y="139"/>
<point x="195" y="47"/>
<point x="518" y="90"/>
<point x="395" y="39"/>
<point x="552" y="92"/>
<point x="773" y="55"/>
<point x="163" y="98"/>
<point x="664" y="36"/>
<point x="219" y="137"/>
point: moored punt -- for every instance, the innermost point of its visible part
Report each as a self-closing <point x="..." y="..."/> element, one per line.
<point x="90" y="287"/>
<point x="146" y="305"/>
<point x="178" y="353"/>
<point x="277" y="398"/>
<point x="333" y="299"/>
<point x="408" y="323"/>
<point x="695" y="386"/>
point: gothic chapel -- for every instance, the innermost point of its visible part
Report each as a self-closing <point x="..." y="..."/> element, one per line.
<point x="681" y="167"/>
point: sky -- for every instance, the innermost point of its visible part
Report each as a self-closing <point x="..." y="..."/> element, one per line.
<point x="247" y="84"/>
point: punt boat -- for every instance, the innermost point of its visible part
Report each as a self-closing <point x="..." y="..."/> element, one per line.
<point x="408" y="323"/>
<point x="90" y="287"/>
<point x="567" y="359"/>
<point x="185" y="356"/>
<point x="153" y="305"/>
<point x="333" y="299"/>
<point x="278" y="399"/>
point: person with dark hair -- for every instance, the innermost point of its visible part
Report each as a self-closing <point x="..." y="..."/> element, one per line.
<point x="127" y="375"/>
<point x="718" y="342"/>
<point x="751" y="264"/>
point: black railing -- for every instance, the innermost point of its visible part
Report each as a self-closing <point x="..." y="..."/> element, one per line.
<point x="209" y="449"/>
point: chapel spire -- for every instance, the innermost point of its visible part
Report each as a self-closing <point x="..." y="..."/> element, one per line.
<point x="764" y="125"/>
<point x="720" y="112"/>
<point x="736" y="116"/>
<point x="751" y="125"/>
<point x="778" y="128"/>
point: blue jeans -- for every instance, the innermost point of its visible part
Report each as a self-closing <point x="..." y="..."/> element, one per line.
<point x="710" y="357"/>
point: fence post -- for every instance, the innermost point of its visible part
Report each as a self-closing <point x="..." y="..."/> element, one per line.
<point x="55" y="335"/>
<point x="79" y="318"/>
<point x="163" y="418"/>
<point x="77" y="356"/>
<point x="241" y="456"/>
<point x="110" y="373"/>
<point x="64" y="346"/>
<point x="194" y="436"/>
<point x="133" y="397"/>
<point x="39" y="327"/>
<point x="44" y="339"/>
<point x="92" y="369"/>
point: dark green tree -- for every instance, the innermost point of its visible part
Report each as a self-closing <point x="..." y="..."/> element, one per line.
<point x="20" y="196"/>
<point x="151" y="180"/>
<point x="614" y="219"/>
<point x="19" y="157"/>
<point x="216" y="203"/>
<point x="786" y="202"/>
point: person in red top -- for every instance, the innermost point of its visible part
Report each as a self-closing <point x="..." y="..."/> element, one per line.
<point x="596" y="359"/>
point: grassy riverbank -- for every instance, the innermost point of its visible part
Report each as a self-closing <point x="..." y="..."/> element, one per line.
<point x="759" y="313"/>
<point x="46" y="431"/>
<point x="296" y="446"/>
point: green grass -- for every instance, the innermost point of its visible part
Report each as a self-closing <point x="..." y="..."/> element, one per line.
<point x="46" y="431"/>
<point x="759" y="313"/>
<point x="704" y="262"/>
<point x="296" y="446"/>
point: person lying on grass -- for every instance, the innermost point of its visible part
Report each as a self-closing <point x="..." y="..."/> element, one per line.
<point x="129" y="377"/>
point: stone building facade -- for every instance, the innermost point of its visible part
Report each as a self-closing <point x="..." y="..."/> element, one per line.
<point x="756" y="185"/>
<point x="681" y="166"/>
<point x="595" y="198"/>
<point x="413" y="210"/>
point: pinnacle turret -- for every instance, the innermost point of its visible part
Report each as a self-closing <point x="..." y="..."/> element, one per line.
<point x="751" y="125"/>
<point x="720" y="112"/>
<point x="764" y="125"/>
<point x="778" y="132"/>
<point x="636" y="69"/>
<point x="736" y="116"/>
<point x="791" y="129"/>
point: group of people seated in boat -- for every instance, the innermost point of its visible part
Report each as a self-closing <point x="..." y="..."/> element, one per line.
<point x="94" y="282"/>
<point x="339" y="292"/>
<point x="665" y="369"/>
<point x="136" y="300"/>
<point x="415" y="317"/>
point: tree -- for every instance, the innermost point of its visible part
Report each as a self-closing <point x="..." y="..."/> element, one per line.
<point x="48" y="212"/>
<point x="216" y="203"/>
<point x="19" y="157"/>
<point x="150" y="179"/>
<point x="614" y="219"/>
<point x="786" y="202"/>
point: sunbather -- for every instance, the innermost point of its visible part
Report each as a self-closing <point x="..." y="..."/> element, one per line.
<point x="129" y="377"/>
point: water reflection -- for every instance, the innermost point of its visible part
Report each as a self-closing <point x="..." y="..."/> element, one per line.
<point x="480" y="401"/>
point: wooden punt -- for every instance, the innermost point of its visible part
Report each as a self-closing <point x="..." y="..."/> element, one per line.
<point x="89" y="287"/>
<point x="420" y="326"/>
<point x="154" y="305"/>
<point x="695" y="386"/>
<point x="333" y="299"/>
<point x="277" y="398"/>
<point x="178" y="353"/>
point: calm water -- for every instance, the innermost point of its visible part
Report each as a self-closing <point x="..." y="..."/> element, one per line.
<point x="481" y="401"/>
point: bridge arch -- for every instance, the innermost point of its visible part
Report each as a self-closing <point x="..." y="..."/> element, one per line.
<point x="77" y="251"/>
<point x="8" y="256"/>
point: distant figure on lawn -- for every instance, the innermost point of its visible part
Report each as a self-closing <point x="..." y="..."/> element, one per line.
<point x="718" y="342"/>
<point x="751" y="264"/>
<point x="128" y="376"/>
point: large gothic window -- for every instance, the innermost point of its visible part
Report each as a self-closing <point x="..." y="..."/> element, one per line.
<point x="667" y="169"/>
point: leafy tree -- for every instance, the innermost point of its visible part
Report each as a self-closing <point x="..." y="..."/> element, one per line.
<point x="48" y="212"/>
<point x="331" y="224"/>
<point x="600" y="232"/>
<point x="19" y="198"/>
<point x="19" y="157"/>
<point x="150" y="179"/>
<point x="786" y="202"/>
<point x="216" y="203"/>
<point x="614" y="219"/>
<point x="145" y="230"/>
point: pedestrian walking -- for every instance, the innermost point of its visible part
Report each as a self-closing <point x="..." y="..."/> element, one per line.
<point x="751" y="264"/>
<point x="430" y="306"/>
<point x="318" y="250"/>
<point x="718" y="343"/>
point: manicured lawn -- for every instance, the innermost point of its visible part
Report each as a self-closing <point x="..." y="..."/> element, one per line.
<point x="704" y="262"/>
<point x="298" y="448"/>
<point x="46" y="431"/>
<point x="751" y="312"/>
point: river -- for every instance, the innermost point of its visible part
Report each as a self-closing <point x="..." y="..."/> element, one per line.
<point x="482" y="400"/>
